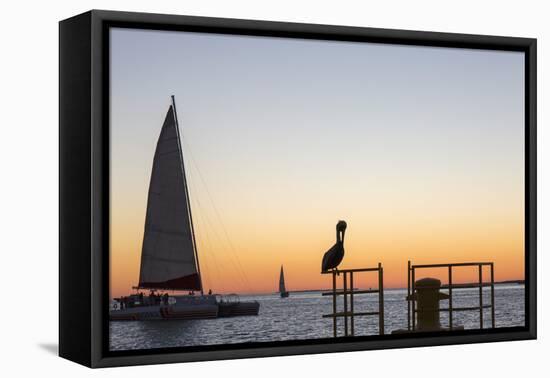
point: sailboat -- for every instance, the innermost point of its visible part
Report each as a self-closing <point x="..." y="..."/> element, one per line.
<point x="169" y="256"/>
<point x="282" y="288"/>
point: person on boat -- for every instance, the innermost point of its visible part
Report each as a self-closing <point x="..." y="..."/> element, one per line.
<point x="209" y="291"/>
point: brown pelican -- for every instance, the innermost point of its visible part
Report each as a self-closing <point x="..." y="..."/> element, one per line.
<point x="333" y="257"/>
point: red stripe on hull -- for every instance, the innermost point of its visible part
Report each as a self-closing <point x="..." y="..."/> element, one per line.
<point x="190" y="282"/>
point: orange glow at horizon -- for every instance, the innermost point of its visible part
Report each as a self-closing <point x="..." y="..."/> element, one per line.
<point x="249" y="260"/>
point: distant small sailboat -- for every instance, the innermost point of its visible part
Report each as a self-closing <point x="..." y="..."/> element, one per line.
<point x="282" y="288"/>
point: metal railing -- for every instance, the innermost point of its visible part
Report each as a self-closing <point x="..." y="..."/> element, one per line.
<point x="349" y="313"/>
<point x="411" y="302"/>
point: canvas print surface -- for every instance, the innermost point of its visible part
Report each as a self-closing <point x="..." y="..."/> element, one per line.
<point x="270" y="189"/>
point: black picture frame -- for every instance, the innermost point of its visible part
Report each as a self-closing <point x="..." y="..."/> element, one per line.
<point x="84" y="186"/>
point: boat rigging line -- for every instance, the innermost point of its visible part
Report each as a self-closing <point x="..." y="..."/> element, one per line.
<point x="234" y="259"/>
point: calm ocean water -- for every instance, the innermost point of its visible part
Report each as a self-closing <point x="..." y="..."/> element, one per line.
<point x="299" y="317"/>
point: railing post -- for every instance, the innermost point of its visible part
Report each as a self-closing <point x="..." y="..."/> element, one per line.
<point x="409" y="295"/>
<point x="345" y="304"/>
<point x="334" y="307"/>
<point x="380" y="299"/>
<point x="413" y="301"/>
<point x="351" y="304"/>
<point x="480" y="296"/>
<point x="492" y="296"/>
<point x="450" y="297"/>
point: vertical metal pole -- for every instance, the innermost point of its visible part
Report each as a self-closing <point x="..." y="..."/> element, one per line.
<point x="345" y="304"/>
<point x="334" y="303"/>
<point x="380" y="299"/>
<point x="351" y="304"/>
<point x="450" y="297"/>
<point x="480" y="296"/>
<point x="492" y="296"/>
<point x="409" y="295"/>
<point x="189" y="214"/>
<point x="413" y="300"/>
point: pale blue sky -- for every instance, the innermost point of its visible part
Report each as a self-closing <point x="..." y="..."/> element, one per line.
<point x="316" y="107"/>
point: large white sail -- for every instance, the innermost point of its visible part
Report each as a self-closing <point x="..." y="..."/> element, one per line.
<point x="168" y="259"/>
<point x="282" y="288"/>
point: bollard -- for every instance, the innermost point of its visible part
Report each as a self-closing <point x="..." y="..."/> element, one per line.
<point x="427" y="298"/>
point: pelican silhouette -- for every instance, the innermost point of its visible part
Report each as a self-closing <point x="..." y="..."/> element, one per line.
<point x="333" y="257"/>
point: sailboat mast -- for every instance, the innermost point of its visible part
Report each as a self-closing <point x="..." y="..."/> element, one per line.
<point x="187" y="194"/>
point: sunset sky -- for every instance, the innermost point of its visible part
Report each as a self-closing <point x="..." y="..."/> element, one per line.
<point x="419" y="149"/>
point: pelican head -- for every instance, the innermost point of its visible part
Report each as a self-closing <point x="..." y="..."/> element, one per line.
<point x="341" y="230"/>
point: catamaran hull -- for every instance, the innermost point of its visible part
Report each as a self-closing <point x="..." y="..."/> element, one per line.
<point x="165" y="313"/>
<point x="187" y="309"/>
